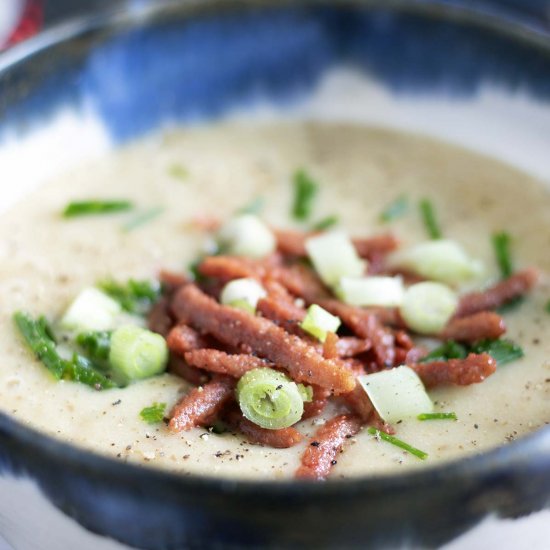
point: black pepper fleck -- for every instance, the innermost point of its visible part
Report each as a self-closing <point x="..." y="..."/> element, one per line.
<point x="315" y="444"/>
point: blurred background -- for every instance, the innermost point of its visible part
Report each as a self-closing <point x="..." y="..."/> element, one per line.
<point x="20" y="19"/>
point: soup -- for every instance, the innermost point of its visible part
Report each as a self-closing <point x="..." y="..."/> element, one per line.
<point x="179" y="181"/>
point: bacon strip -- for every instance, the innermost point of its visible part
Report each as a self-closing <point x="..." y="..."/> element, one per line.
<point x="366" y="325"/>
<point x="350" y="346"/>
<point x="220" y="362"/>
<point x="479" y="326"/>
<point x="320" y="455"/>
<point x="159" y="319"/>
<point x="231" y="267"/>
<point x="172" y="281"/>
<point x="371" y="247"/>
<point x="498" y="295"/>
<point x="279" y="439"/>
<point x="300" y="281"/>
<point x="461" y="372"/>
<point x="183" y="338"/>
<point x="285" y="314"/>
<point x="235" y="327"/>
<point x="330" y="346"/>
<point x="202" y="405"/>
<point x="317" y="404"/>
<point x="177" y="366"/>
<point x="359" y="403"/>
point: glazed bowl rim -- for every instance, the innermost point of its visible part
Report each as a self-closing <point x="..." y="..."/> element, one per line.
<point x="501" y="459"/>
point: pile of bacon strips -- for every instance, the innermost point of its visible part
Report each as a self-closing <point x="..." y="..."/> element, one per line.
<point x="213" y="345"/>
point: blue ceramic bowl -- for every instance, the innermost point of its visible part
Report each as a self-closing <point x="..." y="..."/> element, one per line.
<point x="475" y="76"/>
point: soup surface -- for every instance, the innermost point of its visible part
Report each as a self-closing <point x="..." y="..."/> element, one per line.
<point x="46" y="260"/>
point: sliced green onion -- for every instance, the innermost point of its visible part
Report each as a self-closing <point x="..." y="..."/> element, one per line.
<point x="305" y="191"/>
<point x="269" y="399"/>
<point x="501" y="244"/>
<point x="398" y="443"/>
<point x="395" y="210"/>
<point x="253" y="207"/>
<point x="503" y="351"/>
<point x="334" y="256"/>
<point x="247" y="235"/>
<point x="371" y="291"/>
<point x="37" y="336"/>
<point x="448" y="350"/>
<point x="154" y="413"/>
<point x="179" y="172"/>
<point x="437" y="416"/>
<point x="441" y="260"/>
<point x="80" y="369"/>
<point x="427" y="307"/>
<point x="133" y="296"/>
<point x="91" y="310"/>
<point x="242" y="292"/>
<point x="96" y="344"/>
<point x="318" y="322"/>
<point x="85" y="208"/>
<point x="143" y="218"/>
<point x="137" y="353"/>
<point x="396" y="394"/>
<point x="427" y="212"/>
<point x="325" y="223"/>
<point x="306" y="392"/>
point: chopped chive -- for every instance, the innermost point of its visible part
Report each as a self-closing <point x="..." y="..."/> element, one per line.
<point x="325" y="223"/>
<point x="429" y="218"/>
<point x="501" y="245"/>
<point x="178" y="171"/>
<point x="255" y="206"/>
<point x="85" y="208"/>
<point x="547" y="306"/>
<point x="305" y="191"/>
<point x="398" y="443"/>
<point x="395" y="209"/>
<point x="81" y="369"/>
<point x="153" y="414"/>
<point x="502" y="350"/>
<point x="95" y="344"/>
<point x="437" y="416"/>
<point x="142" y="218"/>
<point x="133" y="296"/>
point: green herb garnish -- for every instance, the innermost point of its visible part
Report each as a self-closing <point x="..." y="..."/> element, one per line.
<point x="153" y="414"/>
<point x="437" y="416"/>
<point x="503" y="351"/>
<point x="448" y="350"/>
<point x="547" y="306"/>
<point x="395" y="209"/>
<point x="253" y="207"/>
<point x="95" y="344"/>
<point x="85" y="208"/>
<point x="398" y="443"/>
<point x="305" y="191"/>
<point x="501" y="245"/>
<point x="325" y="223"/>
<point x="133" y="296"/>
<point x="178" y="171"/>
<point x="427" y="212"/>
<point x="143" y="218"/>
<point x="37" y="335"/>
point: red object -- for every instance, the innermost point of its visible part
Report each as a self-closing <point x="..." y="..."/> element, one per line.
<point x="30" y="22"/>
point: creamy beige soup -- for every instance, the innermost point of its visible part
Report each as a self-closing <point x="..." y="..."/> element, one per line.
<point x="46" y="260"/>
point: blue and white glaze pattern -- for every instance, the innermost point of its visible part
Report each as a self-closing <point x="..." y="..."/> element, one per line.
<point x="449" y="79"/>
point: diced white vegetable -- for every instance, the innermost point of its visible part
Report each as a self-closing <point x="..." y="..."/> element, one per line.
<point x="247" y="235"/>
<point x="91" y="310"/>
<point x="237" y="291"/>
<point x="319" y="321"/>
<point x="427" y="307"/>
<point x="440" y="260"/>
<point x="396" y="393"/>
<point x="334" y="256"/>
<point x="371" y="291"/>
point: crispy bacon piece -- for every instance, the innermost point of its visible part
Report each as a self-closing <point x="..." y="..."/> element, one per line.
<point x="284" y="313"/>
<point x="220" y="362"/>
<point x="359" y="402"/>
<point x="202" y="405"/>
<point x="330" y="346"/>
<point x="300" y="281"/>
<point x="172" y="281"/>
<point x="503" y="292"/>
<point x="235" y="327"/>
<point x="461" y="372"/>
<point x="320" y="455"/>
<point x="231" y="267"/>
<point x="159" y="319"/>
<point x="279" y="439"/>
<point x="317" y="404"/>
<point x="292" y="243"/>
<point x="350" y="346"/>
<point x="479" y="326"/>
<point x="366" y="325"/>
<point x="177" y="366"/>
<point x="183" y="338"/>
